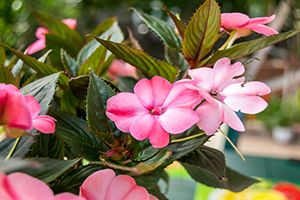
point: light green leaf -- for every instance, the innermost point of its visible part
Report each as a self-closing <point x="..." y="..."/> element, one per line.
<point x="147" y="64"/>
<point x="164" y="30"/>
<point x="178" y="23"/>
<point x="201" y="32"/>
<point x="39" y="67"/>
<point x="6" y="76"/>
<point x="2" y="55"/>
<point x="246" y="48"/>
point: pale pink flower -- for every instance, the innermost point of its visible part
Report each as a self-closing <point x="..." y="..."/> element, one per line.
<point x="155" y="109"/>
<point x="105" y="185"/>
<point x="224" y="91"/>
<point x="40" y="34"/>
<point x="119" y="68"/>
<point x="245" y="25"/>
<point x="20" y="186"/>
<point x="18" y="111"/>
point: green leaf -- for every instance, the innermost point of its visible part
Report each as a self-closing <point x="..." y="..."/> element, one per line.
<point x="94" y="62"/>
<point x="104" y="26"/>
<point x="15" y="165"/>
<point x="210" y="160"/>
<point x="201" y="32"/>
<point x="207" y="166"/>
<point x="161" y="28"/>
<point x="69" y="63"/>
<point x="79" y="85"/>
<point x="68" y="102"/>
<point x="58" y="28"/>
<point x="74" y="132"/>
<point x="178" y="23"/>
<point x="49" y="169"/>
<point x="246" y="48"/>
<point x="6" y="76"/>
<point x="126" y="84"/>
<point x="112" y="32"/>
<point x="71" y="181"/>
<point x="147" y="64"/>
<point x="176" y="58"/>
<point x="39" y="67"/>
<point x="98" y="94"/>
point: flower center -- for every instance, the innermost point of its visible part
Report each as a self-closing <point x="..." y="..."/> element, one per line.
<point x="156" y="111"/>
<point x="216" y="95"/>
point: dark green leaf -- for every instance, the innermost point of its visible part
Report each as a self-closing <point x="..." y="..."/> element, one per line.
<point x="147" y="64"/>
<point x="210" y="160"/>
<point x="201" y="32"/>
<point x="68" y="102"/>
<point x="79" y="86"/>
<point x="69" y="63"/>
<point x="161" y="28"/>
<point x="246" y="48"/>
<point x="15" y="165"/>
<point x="98" y="94"/>
<point x="74" y="132"/>
<point x="2" y="55"/>
<point x="126" y="84"/>
<point x="207" y="166"/>
<point x="49" y="169"/>
<point x="39" y="67"/>
<point x="71" y="181"/>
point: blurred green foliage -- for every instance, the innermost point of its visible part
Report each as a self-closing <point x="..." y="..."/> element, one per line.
<point x="17" y="26"/>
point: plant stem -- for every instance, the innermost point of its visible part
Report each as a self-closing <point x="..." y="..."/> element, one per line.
<point x="187" y="138"/>
<point x="229" y="42"/>
<point x="12" y="150"/>
<point x="231" y="143"/>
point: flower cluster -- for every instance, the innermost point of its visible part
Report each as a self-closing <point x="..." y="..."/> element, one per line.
<point x="19" y="113"/>
<point x="157" y="107"/>
<point x="101" y="185"/>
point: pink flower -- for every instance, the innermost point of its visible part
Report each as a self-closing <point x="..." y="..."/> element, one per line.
<point x="121" y="68"/>
<point x="245" y="25"/>
<point x="22" y="112"/>
<point x="105" y="185"/>
<point x="224" y="91"/>
<point x="155" y="109"/>
<point x="20" y="186"/>
<point x="41" y="36"/>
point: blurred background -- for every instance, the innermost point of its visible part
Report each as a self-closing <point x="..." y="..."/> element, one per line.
<point x="271" y="144"/>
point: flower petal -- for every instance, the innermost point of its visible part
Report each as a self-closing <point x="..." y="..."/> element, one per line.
<point x="152" y="197"/>
<point x="204" y="77"/>
<point x="231" y="21"/>
<point x="137" y="192"/>
<point x="44" y="124"/>
<point x="96" y="185"/>
<point x="263" y="29"/>
<point x="254" y="88"/>
<point x="41" y="32"/>
<point x="181" y="96"/>
<point x="210" y="117"/>
<point x="71" y="23"/>
<point x="5" y="190"/>
<point x="152" y="92"/>
<point x="230" y="118"/>
<point x="178" y="120"/>
<point x="225" y="72"/>
<point x="16" y="113"/>
<point x="38" y="45"/>
<point x="120" y="68"/>
<point x="67" y="196"/>
<point x="26" y="187"/>
<point x="33" y="105"/>
<point x="124" y="108"/>
<point x="142" y="127"/>
<point x="260" y="20"/>
<point x="159" y="137"/>
<point x="119" y="187"/>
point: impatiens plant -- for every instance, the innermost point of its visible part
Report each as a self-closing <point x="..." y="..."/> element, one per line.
<point x="119" y="116"/>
